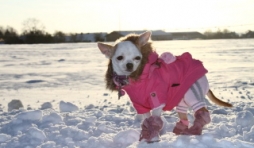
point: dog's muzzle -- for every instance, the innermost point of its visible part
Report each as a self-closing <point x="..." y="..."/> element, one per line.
<point x="129" y="66"/>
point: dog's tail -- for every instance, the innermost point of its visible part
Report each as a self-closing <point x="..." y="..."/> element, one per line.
<point x="216" y="100"/>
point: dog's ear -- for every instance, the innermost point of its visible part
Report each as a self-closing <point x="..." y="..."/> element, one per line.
<point x="106" y="49"/>
<point x="144" y="38"/>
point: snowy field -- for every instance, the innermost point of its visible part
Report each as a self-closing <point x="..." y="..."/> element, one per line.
<point x="66" y="104"/>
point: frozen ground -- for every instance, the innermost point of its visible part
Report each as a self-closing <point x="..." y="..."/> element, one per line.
<point x="66" y="105"/>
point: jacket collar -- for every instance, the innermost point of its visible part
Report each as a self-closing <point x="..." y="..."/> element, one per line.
<point x="150" y="66"/>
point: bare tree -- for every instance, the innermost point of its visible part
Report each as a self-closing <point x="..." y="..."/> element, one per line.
<point x="33" y="32"/>
<point x="32" y="25"/>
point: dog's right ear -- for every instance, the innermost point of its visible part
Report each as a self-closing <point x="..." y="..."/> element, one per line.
<point x="106" y="49"/>
<point x="144" y="38"/>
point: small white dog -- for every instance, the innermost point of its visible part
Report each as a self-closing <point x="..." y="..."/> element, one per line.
<point x="156" y="83"/>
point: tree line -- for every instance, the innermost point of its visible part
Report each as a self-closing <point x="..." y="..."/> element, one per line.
<point x="226" y="34"/>
<point x="34" y="32"/>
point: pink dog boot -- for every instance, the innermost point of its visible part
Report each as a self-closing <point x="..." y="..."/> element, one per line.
<point x="202" y="117"/>
<point x="150" y="131"/>
<point x="180" y="127"/>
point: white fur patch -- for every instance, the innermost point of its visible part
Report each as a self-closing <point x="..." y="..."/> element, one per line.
<point x="129" y="52"/>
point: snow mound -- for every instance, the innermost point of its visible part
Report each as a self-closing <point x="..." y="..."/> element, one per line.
<point x="244" y="119"/>
<point x="67" y="107"/>
<point x="249" y="136"/>
<point x="75" y="133"/>
<point x="30" y="115"/>
<point x="46" y="105"/>
<point x="15" y="104"/>
<point x="53" y="118"/>
<point x="125" y="138"/>
<point x="36" y="133"/>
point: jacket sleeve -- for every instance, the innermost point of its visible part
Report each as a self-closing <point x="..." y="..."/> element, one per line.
<point x="138" y="98"/>
<point x="140" y="109"/>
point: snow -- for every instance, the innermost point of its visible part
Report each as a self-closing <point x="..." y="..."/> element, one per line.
<point x="244" y="119"/>
<point x="67" y="107"/>
<point x="121" y="140"/>
<point x="46" y="105"/>
<point x="60" y="98"/>
<point x="14" y="104"/>
<point x="29" y="115"/>
<point x="53" y="118"/>
<point x="4" y="137"/>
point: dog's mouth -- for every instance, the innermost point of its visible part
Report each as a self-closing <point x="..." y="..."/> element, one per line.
<point x="129" y="71"/>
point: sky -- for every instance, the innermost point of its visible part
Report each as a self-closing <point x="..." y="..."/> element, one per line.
<point x="87" y="16"/>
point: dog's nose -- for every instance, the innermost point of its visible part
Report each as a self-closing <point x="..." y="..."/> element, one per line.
<point x="129" y="66"/>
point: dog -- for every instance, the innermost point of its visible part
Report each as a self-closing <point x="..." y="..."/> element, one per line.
<point x="158" y="83"/>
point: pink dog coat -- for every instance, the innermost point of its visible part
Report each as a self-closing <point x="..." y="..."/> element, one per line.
<point x="164" y="80"/>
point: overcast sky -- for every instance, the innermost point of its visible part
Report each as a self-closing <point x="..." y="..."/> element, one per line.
<point x="109" y="15"/>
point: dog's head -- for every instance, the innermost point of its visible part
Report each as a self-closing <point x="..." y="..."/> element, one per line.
<point x="127" y="56"/>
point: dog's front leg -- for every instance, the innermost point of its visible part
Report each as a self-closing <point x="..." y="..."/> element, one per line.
<point x="152" y="126"/>
<point x="155" y="112"/>
<point x="141" y="117"/>
<point x="158" y="112"/>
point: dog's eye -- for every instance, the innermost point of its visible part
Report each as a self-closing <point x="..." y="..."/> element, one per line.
<point x="119" y="58"/>
<point x="137" y="58"/>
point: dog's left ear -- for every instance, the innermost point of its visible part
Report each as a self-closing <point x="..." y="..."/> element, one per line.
<point x="144" y="38"/>
<point x="105" y="49"/>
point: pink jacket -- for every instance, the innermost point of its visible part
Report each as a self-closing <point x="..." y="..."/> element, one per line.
<point x="164" y="83"/>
